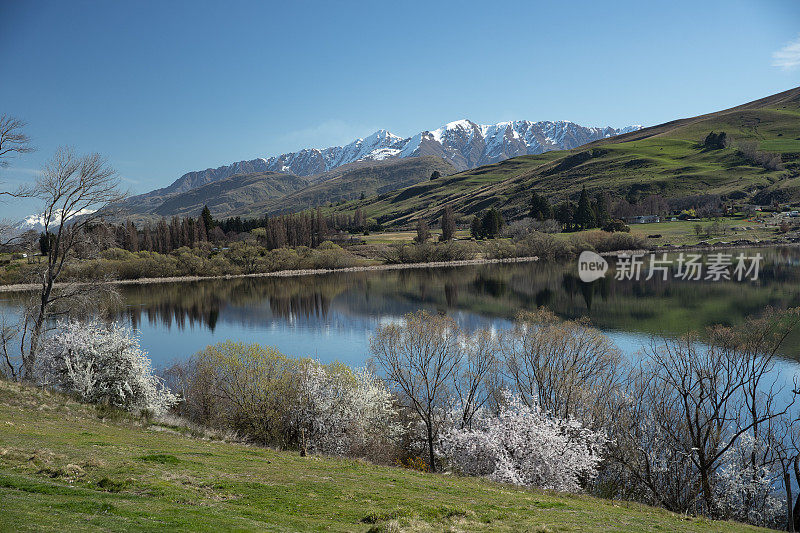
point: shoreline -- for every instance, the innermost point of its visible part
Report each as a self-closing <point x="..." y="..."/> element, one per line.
<point x="23" y="287"/>
<point x="701" y="248"/>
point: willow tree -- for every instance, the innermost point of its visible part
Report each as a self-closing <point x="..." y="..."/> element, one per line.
<point x="420" y="358"/>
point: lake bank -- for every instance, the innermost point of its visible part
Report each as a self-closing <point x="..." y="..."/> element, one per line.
<point x="22" y="287"/>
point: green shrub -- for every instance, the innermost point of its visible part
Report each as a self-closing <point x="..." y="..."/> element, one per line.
<point x="429" y="252"/>
<point x="249" y="388"/>
<point x="545" y="247"/>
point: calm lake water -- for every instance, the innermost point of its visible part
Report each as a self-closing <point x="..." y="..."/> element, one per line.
<point x="331" y="317"/>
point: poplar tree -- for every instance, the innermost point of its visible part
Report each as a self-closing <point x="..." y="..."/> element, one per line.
<point x="448" y="223"/>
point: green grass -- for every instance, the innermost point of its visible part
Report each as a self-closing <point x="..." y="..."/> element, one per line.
<point x="63" y="468"/>
<point x="679" y="232"/>
<point x="682" y="232"/>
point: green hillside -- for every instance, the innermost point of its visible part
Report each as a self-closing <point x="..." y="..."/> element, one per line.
<point x="62" y="468"/>
<point x="669" y="159"/>
<point x="348" y="182"/>
<point x="231" y="193"/>
<point x="258" y="193"/>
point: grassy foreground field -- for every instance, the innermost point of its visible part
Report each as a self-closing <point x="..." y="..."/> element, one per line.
<point x="64" y="468"/>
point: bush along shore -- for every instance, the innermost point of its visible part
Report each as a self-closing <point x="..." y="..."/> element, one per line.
<point x="548" y="404"/>
<point x="205" y="260"/>
<point x="297" y="272"/>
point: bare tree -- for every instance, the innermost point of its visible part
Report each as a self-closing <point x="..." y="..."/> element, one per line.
<point x="477" y="380"/>
<point x="691" y="401"/>
<point x="420" y="358"/>
<point x="423" y="232"/>
<point x="567" y="367"/>
<point x="13" y="140"/>
<point x="75" y="192"/>
<point x="783" y="439"/>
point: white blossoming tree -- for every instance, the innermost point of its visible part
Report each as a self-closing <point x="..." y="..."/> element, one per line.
<point x="524" y="446"/>
<point x="102" y="364"/>
<point x="747" y="492"/>
<point x="344" y="411"/>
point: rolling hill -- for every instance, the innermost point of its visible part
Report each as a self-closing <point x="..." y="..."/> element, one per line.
<point x="669" y="159"/>
<point x="253" y="194"/>
<point x="382" y="161"/>
<point x="349" y="182"/>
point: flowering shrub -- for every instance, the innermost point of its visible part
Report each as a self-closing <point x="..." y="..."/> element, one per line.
<point x="346" y="412"/>
<point x="524" y="446"/>
<point x="102" y="364"/>
<point x="746" y="492"/>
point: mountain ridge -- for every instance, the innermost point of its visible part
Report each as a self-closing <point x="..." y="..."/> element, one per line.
<point x="670" y="160"/>
<point x="456" y="140"/>
<point x="461" y="145"/>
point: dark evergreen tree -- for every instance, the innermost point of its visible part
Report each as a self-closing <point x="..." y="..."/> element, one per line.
<point x="540" y="207"/>
<point x="476" y="227"/>
<point x="208" y="220"/>
<point x="601" y="210"/>
<point x="492" y="223"/>
<point x="584" y="216"/>
<point x="435" y="175"/>
<point x="45" y="240"/>
<point x="448" y="223"/>
<point x="565" y="214"/>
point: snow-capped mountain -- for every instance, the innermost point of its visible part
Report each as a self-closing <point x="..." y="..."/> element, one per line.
<point x="462" y="143"/>
<point x="36" y="222"/>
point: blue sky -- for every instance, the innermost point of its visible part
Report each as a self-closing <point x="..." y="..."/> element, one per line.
<point x="162" y="88"/>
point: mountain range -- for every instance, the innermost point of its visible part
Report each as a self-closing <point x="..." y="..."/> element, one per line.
<point x="758" y="164"/>
<point x="455" y="147"/>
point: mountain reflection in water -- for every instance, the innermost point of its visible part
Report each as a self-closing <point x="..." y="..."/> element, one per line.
<point x="332" y="316"/>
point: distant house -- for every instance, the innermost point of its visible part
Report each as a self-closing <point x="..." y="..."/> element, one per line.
<point x="643" y="219"/>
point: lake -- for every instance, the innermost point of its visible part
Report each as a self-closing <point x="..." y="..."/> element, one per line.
<point x="331" y="317"/>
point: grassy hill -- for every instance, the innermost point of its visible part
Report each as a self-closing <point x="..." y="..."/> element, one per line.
<point x="667" y="159"/>
<point x="64" y="468"/>
<point x="255" y="194"/>
<point x="229" y="194"/>
<point x="348" y="182"/>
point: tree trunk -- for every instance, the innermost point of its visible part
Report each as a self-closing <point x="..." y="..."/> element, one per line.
<point x="36" y="332"/>
<point x="787" y="483"/>
<point x="429" y="427"/>
<point x="796" y="511"/>
<point x="708" y="494"/>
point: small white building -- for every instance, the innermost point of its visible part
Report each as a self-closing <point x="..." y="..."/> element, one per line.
<point x="643" y="219"/>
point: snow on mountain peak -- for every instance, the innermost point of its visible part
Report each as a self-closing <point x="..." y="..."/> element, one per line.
<point x="463" y="124"/>
<point x="36" y="222"/>
<point x="462" y="143"/>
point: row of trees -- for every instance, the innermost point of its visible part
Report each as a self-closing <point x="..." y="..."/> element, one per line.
<point x="700" y="426"/>
<point x="302" y="229"/>
<point x="586" y="214"/>
<point x="354" y="222"/>
<point x="696" y="425"/>
<point x="487" y="225"/>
